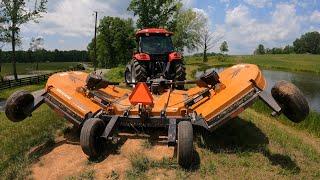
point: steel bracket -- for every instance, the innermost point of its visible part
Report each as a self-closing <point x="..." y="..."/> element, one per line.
<point x="110" y="127"/>
<point x="172" y="132"/>
<point x="271" y="102"/>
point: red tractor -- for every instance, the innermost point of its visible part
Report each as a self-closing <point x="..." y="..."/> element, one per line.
<point x="155" y="58"/>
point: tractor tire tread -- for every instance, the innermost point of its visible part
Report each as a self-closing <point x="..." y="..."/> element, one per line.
<point x="88" y="137"/>
<point x="292" y="101"/>
<point x="16" y="104"/>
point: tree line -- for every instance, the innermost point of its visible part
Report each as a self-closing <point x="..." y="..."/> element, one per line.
<point x="44" y="56"/>
<point x="307" y="43"/>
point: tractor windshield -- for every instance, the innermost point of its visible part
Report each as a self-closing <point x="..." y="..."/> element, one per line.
<point x="156" y="44"/>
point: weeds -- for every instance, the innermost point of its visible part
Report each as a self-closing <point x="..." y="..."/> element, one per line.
<point x="87" y="175"/>
<point x="146" y="144"/>
<point x="113" y="175"/>
<point x="141" y="164"/>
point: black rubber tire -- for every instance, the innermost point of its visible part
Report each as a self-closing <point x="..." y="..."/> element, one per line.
<point x="140" y="71"/>
<point x="292" y="101"/>
<point x="90" y="137"/>
<point x="127" y="76"/>
<point x="180" y="73"/>
<point x="185" y="144"/>
<point x="17" y="105"/>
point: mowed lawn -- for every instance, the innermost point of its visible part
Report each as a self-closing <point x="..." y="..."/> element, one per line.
<point x="27" y="68"/>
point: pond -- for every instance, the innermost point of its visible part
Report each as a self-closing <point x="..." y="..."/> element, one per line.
<point x="308" y="83"/>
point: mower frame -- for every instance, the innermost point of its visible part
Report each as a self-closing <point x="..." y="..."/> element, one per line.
<point x="169" y="122"/>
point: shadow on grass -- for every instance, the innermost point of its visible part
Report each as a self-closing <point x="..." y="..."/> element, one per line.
<point x="239" y="136"/>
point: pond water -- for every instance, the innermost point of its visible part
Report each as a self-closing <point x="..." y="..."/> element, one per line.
<point x="308" y="83"/>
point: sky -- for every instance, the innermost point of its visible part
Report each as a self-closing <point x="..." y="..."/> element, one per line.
<point x="69" y="24"/>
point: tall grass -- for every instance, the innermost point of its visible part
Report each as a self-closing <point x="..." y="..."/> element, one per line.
<point x="310" y="124"/>
<point x="4" y="94"/>
<point x="16" y="139"/>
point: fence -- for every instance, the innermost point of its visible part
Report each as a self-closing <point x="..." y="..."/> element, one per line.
<point x="30" y="80"/>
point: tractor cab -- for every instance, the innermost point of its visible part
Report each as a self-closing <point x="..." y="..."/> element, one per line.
<point x="154" y="42"/>
<point x="155" y="58"/>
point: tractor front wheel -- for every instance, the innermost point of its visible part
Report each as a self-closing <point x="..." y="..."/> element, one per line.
<point x="185" y="144"/>
<point x="292" y="101"/>
<point x="90" y="137"/>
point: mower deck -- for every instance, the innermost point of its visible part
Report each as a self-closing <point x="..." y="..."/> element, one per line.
<point x="202" y="106"/>
<point x="98" y="107"/>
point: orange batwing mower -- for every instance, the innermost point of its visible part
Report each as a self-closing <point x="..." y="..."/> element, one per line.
<point x="100" y="107"/>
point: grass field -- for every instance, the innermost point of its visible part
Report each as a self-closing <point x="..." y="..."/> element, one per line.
<point x="26" y="68"/>
<point x="250" y="147"/>
<point x="290" y="62"/>
<point x="17" y="139"/>
<point x="253" y="145"/>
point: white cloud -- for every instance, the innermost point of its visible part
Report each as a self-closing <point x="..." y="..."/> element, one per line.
<point x="68" y="18"/>
<point x="244" y="31"/>
<point x="61" y="41"/>
<point x="201" y="11"/>
<point x="305" y="3"/>
<point x="315" y="17"/>
<point x="259" y="3"/>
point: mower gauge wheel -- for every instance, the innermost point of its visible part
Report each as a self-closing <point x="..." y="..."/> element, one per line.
<point x="292" y="101"/>
<point x="185" y="144"/>
<point x="18" y="105"/>
<point x="90" y="137"/>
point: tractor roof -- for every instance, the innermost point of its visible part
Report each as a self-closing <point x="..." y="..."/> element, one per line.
<point x="153" y="31"/>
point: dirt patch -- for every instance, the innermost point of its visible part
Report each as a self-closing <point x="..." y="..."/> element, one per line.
<point x="62" y="161"/>
<point x="66" y="159"/>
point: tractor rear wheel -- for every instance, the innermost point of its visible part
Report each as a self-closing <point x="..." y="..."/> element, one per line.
<point x="140" y="72"/>
<point x="180" y="73"/>
<point x="292" y="101"/>
<point x="18" y="105"/>
<point x="90" y="137"/>
<point x="185" y="144"/>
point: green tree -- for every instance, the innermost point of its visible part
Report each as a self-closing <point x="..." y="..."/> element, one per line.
<point x="308" y="43"/>
<point x="3" y="38"/>
<point x="17" y="13"/>
<point x="260" y="49"/>
<point x="155" y="13"/>
<point x="36" y="44"/>
<point x="115" y="41"/>
<point x="188" y="27"/>
<point x="224" y="47"/>
<point x="288" y="49"/>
